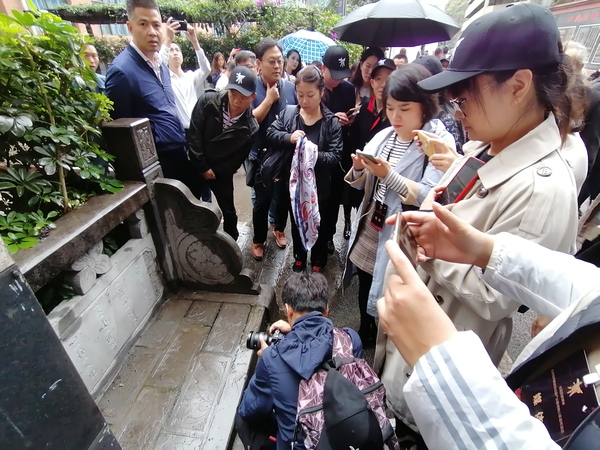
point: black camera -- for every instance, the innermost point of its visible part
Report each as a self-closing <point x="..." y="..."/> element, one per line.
<point x="253" y="341"/>
<point x="182" y="24"/>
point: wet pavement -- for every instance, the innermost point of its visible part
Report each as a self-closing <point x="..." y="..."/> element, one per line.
<point x="181" y="382"/>
<point x="344" y="304"/>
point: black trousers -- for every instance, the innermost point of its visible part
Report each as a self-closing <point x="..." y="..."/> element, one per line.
<point x="255" y="435"/>
<point x="318" y="254"/>
<point x="365" y="280"/>
<point x="176" y="165"/>
<point x="222" y="187"/>
<point x="260" y="211"/>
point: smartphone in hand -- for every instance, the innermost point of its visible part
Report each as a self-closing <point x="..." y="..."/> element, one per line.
<point x="353" y="111"/>
<point x="461" y="183"/>
<point x="368" y="156"/>
<point x="405" y="239"/>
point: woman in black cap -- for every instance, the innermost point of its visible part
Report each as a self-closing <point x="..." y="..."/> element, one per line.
<point x="510" y="85"/>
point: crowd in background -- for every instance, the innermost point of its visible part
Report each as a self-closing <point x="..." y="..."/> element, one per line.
<point x="314" y="136"/>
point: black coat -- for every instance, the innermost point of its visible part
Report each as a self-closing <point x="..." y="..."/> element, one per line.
<point x="210" y="146"/>
<point x="330" y="146"/>
<point x="367" y="124"/>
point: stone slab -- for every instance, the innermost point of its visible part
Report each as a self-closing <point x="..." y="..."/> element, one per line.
<point x="226" y="333"/>
<point x="173" y="311"/>
<point x="193" y="412"/>
<point x="146" y="418"/>
<point x="123" y="390"/>
<point x="203" y="313"/>
<point x="75" y="231"/>
<point x="169" y="441"/>
<point x="158" y="334"/>
<point x="116" y="312"/>
<point x="177" y="359"/>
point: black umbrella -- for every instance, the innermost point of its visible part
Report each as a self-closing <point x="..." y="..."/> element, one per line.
<point x="396" y="23"/>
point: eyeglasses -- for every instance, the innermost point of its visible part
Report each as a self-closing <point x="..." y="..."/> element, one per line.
<point x="275" y="62"/>
<point x="459" y="102"/>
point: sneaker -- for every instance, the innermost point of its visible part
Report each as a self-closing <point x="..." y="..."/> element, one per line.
<point x="330" y="247"/>
<point x="280" y="239"/>
<point x="317" y="269"/>
<point x="258" y="251"/>
<point x="299" y="266"/>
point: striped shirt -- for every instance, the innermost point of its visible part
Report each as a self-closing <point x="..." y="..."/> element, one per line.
<point x="393" y="150"/>
<point x="228" y="120"/>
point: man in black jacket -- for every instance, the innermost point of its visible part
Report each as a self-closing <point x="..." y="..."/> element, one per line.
<point x="222" y="131"/>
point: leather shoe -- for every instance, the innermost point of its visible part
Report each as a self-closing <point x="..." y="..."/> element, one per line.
<point x="299" y="266"/>
<point x="258" y="251"/>
<point x="330" y="247"/>
<point x="280" y="239"/>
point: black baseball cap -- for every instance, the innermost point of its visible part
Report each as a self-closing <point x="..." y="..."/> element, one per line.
<point x="243" y="80"/>
<point x="431" y="63"/>
<point x="337" y="60"/>
<point x="387" y="63"/>
<point x="521" y="36"/>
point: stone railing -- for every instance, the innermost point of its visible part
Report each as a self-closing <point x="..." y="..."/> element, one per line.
<point x="116" y="295"/>
<point x="174" y="241"/>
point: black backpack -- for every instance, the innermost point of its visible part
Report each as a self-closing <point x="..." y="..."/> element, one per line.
<point x="342" y="405"/>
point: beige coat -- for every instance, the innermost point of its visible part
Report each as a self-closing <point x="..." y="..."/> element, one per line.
<point x="528" y="190"/>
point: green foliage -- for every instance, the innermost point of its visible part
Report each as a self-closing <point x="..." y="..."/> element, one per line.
<point x="49" y="118"/>
<point x="266" y="20"/>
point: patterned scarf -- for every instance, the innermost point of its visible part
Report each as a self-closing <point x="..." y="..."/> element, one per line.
<point x="303" y="192"/>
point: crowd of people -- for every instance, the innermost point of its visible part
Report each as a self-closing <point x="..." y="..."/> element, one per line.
<point x="314" y="137"/>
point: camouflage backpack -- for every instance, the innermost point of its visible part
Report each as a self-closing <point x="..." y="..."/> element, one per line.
<point x="342" y="405"/>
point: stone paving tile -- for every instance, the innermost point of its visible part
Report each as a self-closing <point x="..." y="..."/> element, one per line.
<point x="168" y="441"/>
<point x="203" y="312"/>
<point x="119" y="397"/>
<point x="177" y="359"/>
<point x="223" y="415"/>
<point x="226" y="334"/>
<point x="146" y="418"/>
<point x="168" y="317"/>
<point x="173" y="311"/>
<point x="193" y="411"/>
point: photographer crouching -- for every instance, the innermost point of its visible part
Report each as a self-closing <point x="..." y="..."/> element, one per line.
<point x="267" y="413"/>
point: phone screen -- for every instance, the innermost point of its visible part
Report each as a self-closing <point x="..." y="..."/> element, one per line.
<point x="405" y="239"/>
<point x="463" y="179"/>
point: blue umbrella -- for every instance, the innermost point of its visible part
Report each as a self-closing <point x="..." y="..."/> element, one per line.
<point x="310" y="44"/>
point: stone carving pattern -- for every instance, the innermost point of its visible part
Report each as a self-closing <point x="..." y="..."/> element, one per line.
<point x="150" y="260"/>
<point x="138" y="226"/>
<point x="204" y="255"/>
<point x="143" y="142"/>
<point x="88" y="267"/>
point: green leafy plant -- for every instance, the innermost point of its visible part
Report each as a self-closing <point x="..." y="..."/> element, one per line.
<point x="238" y="24"/>
<point x="50" y="112"/>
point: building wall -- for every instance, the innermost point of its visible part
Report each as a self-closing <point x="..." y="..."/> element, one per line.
<point x="580" y="21"/>
<point x="6" y="6"/>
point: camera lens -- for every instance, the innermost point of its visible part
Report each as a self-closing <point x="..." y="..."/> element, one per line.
<point x="253" y="340"/>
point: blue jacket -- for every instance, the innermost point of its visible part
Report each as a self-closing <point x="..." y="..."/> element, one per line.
<point x="282" y="367"/>
<point x="136" y="91"/>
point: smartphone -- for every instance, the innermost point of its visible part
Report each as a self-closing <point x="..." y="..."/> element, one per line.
<point x="366" y="155"/>
<point x="405" y="239"/>
<point x="353" y="111"/>
<point x="182" y="24"/>
<point x="461" y="183"/>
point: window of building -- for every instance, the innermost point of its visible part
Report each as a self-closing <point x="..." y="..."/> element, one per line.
<point x="117" y="29"/>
